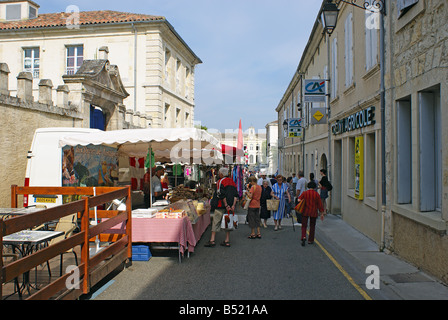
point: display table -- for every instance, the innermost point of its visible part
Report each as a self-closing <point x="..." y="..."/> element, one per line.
<point x="180" y="231"/>
<point x="164" y="230"/>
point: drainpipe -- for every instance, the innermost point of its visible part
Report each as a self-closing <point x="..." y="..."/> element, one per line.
<point x="135" y="67"/>
<point x="383" y="129"/>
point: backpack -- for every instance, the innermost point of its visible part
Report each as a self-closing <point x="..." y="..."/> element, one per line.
<point x="329" y="186"/>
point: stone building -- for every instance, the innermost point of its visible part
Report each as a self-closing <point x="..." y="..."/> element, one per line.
<point x="95" y="82"/>
<point x="272" y="147"/>
<point x="417" y="134"/>
<point x="254" y="144"/>
<point x="157" y="66"/>
<point x="394" y="192"/>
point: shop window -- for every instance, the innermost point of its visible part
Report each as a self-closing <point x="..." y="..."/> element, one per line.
<point x="370" y="167"/>
<point x="351" y="163"/>
<point x="430" y="150"/>
<point x="404" y="151"/>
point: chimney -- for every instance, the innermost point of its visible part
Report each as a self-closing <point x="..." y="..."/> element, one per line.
<point x="104" y="53"/>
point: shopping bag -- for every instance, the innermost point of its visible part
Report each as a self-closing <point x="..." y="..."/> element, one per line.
<point x="300" y="206"/>
<point x="246" y="203"/>
<point x="229" y="221"/>
<point x="272" y="204"/>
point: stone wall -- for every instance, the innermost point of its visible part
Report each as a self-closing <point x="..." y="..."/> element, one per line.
<point x="418" y="62"/>
<point x="23" y="114"/>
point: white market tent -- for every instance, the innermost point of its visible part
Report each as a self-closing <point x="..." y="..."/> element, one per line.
<point x="135" y="142"/>
<point x="182" y="145"/>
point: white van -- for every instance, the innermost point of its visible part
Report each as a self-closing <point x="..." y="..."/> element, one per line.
<point x="44" y="165"/>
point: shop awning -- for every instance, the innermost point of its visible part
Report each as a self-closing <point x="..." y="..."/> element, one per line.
<point x="184" y="145"/>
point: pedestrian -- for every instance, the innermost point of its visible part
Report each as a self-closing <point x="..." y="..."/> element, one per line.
<point x="280" y="192"/>
<point x="253" y="213"/>
<point x="272" y="180"/>
<point x="301" y="188"/>
<point x="224" y="200"/>
<point x="266" y="190"/>
<point x="262" y="179"/>
<point x="291" y="196"/>
<point x="323" y="185"/>
<point x="294" y="181"/>
<point x="155" y="187"/>
<point x="313" y="205"/>
<point x="301" y="184"/>
<point x="314" y="180"/>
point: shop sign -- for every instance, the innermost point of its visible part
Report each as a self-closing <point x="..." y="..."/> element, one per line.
<point x="295" y="128"/>
<point x="361" y="119"/>
<point x="318" y="115"/>
<point x="314" y="90"/>
<point x="359" y="168"/>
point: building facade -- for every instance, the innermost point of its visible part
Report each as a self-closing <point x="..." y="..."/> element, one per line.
<point x="157" y="67"/>
<point x="272" y="147"/>
<point x="383" y="142"/>
<point x="417" y="131"/>
<point x="254" y="146"/>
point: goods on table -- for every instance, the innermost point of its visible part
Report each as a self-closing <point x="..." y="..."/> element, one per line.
<point x="144" y="213"/>
<point x="182" y="193"/>
<point x="170" y="214"/>
<point x="188" y="207"/>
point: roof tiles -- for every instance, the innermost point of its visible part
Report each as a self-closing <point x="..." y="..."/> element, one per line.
<point x="85" y="18"/>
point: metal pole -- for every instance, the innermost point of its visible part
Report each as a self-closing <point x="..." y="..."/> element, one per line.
<point x="150" y="176"/>
<point x="383" y="128"/>
<point x="329" y="115"/>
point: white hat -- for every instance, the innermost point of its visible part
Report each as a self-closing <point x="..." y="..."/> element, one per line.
<point x="224" y="171"/>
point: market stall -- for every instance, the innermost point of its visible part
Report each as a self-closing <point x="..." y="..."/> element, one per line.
<point x="187" y="213"/>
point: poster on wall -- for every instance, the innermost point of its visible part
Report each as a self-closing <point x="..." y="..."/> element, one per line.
<point x="89" y="166"/>
<point x="359" y="168"/>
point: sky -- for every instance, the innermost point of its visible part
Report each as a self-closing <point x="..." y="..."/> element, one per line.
<point x="250" y="50"/>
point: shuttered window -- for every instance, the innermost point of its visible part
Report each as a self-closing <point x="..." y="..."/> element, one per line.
<point x="349" y="50"/>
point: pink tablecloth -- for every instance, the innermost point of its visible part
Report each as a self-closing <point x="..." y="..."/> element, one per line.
<point x="164" y="230"/>
<point x="180" y="231"/>
<point x="201" y="225"/>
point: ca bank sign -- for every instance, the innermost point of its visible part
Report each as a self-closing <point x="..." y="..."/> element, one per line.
<point x="314" y="90"/>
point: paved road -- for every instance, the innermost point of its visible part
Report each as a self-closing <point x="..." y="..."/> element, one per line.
<point x="275" y="267"/>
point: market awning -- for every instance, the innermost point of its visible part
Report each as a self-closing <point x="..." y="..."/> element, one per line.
<point x="230" y="153"/>
<point x="184" y="144"/>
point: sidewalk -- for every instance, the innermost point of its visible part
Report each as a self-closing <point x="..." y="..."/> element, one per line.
<point x="399" y="280"/>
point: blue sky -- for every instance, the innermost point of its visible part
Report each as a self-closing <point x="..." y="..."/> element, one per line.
<point x="250" y="50"/>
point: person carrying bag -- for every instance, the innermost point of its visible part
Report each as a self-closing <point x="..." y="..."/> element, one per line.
<point x="223" y="204"/>
<point x="312" y="207"/>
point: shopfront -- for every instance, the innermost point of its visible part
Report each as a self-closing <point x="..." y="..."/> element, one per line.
<point x="357" y="169"/>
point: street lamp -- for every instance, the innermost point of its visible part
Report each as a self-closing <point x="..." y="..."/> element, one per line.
<point x="285" y="125"/>
<point x="329" y="16"/>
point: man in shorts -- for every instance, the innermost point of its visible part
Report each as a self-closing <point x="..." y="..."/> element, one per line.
<point x="223" y="201"/>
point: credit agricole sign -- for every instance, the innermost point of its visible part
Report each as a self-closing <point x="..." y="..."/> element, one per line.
<point x="360" y="119"/>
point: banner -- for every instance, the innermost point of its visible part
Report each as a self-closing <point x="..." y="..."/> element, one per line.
<point x="359" y="168"/>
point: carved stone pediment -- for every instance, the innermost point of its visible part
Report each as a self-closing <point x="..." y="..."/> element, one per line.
<point x="99" y="73"/>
